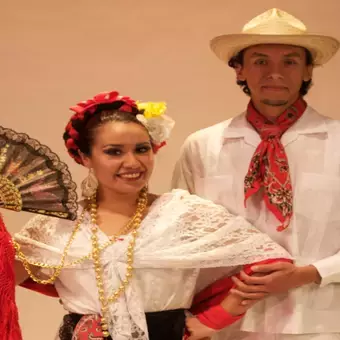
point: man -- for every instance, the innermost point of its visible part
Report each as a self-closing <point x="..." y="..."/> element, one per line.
<point x="278" y="165"/>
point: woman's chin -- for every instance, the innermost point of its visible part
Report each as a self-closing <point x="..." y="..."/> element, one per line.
<point x="130" y="187"/>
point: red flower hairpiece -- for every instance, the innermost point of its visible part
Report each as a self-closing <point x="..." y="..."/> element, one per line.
<point x="89" y="106"/>
<point x="103" y="98"/>
<point x="156" y="123"/>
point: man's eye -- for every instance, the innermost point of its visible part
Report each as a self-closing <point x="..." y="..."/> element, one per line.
<point x="290" y="62"/>
<point x="261" y="62"/>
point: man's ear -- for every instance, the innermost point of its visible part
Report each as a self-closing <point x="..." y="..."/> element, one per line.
<point x="308" y="73"/>
<point x="239" y="70"/>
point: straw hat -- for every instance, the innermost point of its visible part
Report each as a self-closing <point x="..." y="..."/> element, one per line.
<point x="275" y="27"/>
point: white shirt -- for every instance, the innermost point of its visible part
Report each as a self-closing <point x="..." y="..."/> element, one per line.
<point x="213" y="164"/>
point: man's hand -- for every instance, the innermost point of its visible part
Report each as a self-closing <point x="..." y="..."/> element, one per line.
<point x="279" y="277"/>
<point x="197" y="330"/>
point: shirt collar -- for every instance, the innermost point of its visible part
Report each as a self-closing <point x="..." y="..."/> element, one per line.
<point x="311" y="122"/>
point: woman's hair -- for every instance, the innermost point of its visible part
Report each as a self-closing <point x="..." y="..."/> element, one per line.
<point x="238" y="60"/>
<point x="80" y="131"/>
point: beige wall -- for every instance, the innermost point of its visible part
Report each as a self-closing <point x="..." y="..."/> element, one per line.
<point x="54" y="53"/>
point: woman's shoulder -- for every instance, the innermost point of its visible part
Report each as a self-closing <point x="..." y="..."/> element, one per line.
<point x="181" y="194"/>
<point x="45" y="226"/>
<point x="183" y="199"/>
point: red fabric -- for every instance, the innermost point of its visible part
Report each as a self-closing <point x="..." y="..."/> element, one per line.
<point x="89" y="327"/>
<point x="269" y="167"/>
<point x="103" y="98"/>
<point x="216" y="317"/>
<point x="206" y="304"/>
<point x="48" y="290"/>
<point x="9" y="319"/>
<point x="156" y="147"/>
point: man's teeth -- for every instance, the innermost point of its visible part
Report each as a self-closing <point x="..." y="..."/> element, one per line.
<point x="135" y="175"/>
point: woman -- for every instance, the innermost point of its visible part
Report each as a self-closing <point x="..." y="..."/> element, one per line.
<point x="129" y="267"/>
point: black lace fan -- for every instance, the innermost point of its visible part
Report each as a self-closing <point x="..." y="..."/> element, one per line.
<point x="33" y="179"/>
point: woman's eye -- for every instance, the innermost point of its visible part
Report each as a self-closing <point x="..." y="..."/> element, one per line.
<point x="143" y="149"/>
<point x="113" y="152"/>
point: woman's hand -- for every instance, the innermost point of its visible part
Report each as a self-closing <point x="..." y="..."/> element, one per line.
<point x="235" y="304"/>
<point x="197" y="330"/>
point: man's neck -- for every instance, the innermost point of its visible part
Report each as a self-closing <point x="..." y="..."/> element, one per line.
<point x="271" y="112"/>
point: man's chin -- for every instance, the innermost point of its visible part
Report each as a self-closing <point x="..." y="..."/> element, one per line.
<point x="275" y="102"/>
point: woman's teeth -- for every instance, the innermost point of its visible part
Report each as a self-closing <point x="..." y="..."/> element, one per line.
<point x="131" y="176"/>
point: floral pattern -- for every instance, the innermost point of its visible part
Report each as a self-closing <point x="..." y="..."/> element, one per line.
<point x="88" y="327"/>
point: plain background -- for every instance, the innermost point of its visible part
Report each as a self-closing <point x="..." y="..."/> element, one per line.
<point x="57" y="53"/>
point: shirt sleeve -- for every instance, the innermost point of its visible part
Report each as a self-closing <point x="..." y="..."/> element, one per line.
<point x="183" y="175"/>
<point x="329" y="269"/>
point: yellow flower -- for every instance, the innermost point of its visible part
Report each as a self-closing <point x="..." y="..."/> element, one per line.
<point x="152" y="110"/>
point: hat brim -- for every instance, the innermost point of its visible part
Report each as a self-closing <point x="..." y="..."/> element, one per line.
<point x="322" y="48"/>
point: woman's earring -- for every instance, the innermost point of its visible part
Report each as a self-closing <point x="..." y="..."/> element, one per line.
<point x="146" y="188"/>
<point x="89" y="185"/>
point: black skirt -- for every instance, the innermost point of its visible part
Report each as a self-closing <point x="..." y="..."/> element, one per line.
<point x="166" y="325"/>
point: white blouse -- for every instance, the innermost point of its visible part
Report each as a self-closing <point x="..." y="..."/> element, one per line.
<point x="181" y="234"/>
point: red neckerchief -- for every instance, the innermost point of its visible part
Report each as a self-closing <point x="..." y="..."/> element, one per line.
<point x="269" y="167"/>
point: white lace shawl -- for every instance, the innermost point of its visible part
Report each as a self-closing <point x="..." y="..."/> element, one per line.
<point x="181" y="232"/>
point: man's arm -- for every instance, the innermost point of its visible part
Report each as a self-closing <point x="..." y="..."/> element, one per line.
<point x="282" y="277"/>
<point x="183" y="174"/>
<point x="276" y="278"/>
<point x="329" y="269"/>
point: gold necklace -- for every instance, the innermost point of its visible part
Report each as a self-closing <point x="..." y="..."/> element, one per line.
<point x="57" y="269"/>
<point x="27" y="263"/>
<point x="135" y="223"/>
